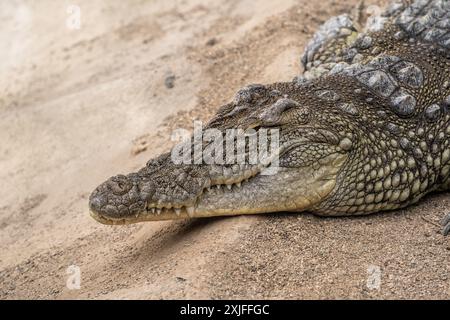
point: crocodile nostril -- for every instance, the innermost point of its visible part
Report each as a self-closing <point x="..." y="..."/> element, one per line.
<point x="119" y="184"/>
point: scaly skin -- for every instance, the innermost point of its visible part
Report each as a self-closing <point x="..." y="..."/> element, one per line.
<point x="366" y="128"/>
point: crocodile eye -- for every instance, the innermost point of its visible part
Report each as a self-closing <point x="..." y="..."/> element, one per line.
<point x="273" y="113"/>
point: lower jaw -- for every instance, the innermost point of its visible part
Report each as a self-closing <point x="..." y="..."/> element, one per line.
<point x="289" y="190"/>
<point x="170" y="215"/>
<point x="111" y="221"/>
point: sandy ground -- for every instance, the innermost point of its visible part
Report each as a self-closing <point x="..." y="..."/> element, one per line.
<point x="77" y="106"/>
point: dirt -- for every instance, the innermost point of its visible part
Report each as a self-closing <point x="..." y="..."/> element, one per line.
<point x="80" y="105"/>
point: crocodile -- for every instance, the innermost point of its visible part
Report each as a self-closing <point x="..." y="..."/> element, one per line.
<point x="365" y="128"/>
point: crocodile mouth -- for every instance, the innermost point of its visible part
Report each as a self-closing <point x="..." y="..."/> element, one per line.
<point x="216" y="187"/>
<point x="169" y="212"/>
<point x="188" y="210"/>
<point x="254" y="189"/>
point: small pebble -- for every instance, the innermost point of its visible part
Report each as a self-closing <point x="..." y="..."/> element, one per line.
<point x="170" y="81"/>
<point x="211" y="42"/>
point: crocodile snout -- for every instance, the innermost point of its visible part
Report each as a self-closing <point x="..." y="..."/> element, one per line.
<point x="116" y="198"/>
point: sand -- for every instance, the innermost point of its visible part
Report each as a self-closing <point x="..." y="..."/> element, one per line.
<point x="80" y="105"/>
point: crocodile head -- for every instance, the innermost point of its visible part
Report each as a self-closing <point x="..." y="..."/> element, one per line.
<point x="305" y="150"/>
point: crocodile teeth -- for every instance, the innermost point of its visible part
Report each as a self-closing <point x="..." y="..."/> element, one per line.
<point x="190" y="211"/>
<point x="153" y="210"/>
<point x="218" y="186"/>
<point x="178" y="211"/>
<point x="158" y="211"/>
<point x="238" y="184"/>
<point x="229" y="186"/>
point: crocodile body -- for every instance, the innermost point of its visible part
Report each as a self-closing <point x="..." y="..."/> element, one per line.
<point x="365" y="128"/>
